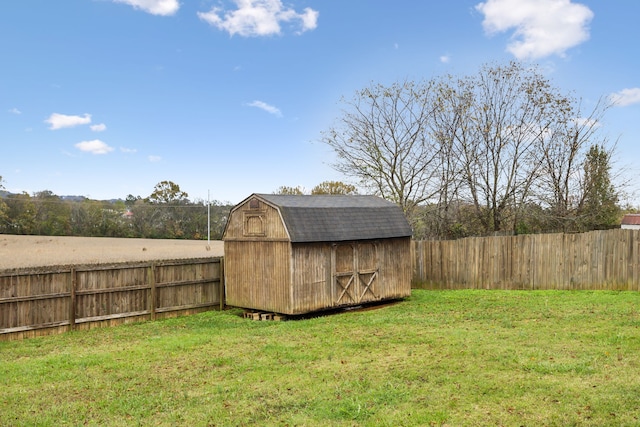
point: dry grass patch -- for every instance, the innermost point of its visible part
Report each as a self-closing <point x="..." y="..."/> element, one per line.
<point x="42" y="251"/>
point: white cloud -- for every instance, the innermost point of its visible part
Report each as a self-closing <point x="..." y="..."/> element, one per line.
<point x="541" y="27"/>
<point x="59" y="121"/>
<point x="266" y="107"/>
<point x="309" y="19"/>
<point x="445" y="59"/>
<point x="15" y="111"/>
<point x="255" y="18"/>
<point x="625" y="97"/>
<point x="98" y="128"/>
<point x="154" y="159"/>
<point x="154" y="7"/>
<point x="94" y="147"/>
<point x="128" y="150"/>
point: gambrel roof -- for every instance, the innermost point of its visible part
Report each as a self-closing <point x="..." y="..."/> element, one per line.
<point x="336" y="218"/>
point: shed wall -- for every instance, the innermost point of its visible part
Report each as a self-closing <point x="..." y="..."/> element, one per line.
<point x="397" y="268"/>
<point x="630" y="227"/>
<point x="311" y="287"/>
<point x="329" y="275"/>
<point x="258" y="275"/>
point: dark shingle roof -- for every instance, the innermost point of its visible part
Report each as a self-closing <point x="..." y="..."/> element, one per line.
<point x="334" y="218"/>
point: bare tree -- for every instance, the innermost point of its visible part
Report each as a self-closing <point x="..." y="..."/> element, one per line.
<point x="441" y="217"/>
<point x="503" y="143"/>
<point x="564" y="150"/>
<point x="383" y="141"/>
<point x="506" y="110"/>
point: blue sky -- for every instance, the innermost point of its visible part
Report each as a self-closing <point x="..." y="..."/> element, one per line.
<point x="106" y="98"/>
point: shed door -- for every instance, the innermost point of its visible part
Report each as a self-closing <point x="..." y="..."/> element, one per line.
<point x="355" y="273"/>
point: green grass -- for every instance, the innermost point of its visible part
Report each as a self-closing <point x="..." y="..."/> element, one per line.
<point x="438" y="358"/>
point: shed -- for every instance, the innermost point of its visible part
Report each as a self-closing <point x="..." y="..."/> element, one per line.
<point x="631" y="222"/>
<point x="299" y="254"/>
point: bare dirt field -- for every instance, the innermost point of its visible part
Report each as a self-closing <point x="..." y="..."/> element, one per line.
<point x="42" y="251"/>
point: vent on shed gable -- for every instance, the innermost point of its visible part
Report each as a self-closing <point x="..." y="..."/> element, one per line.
<point x="254" y="219"/>
<point x="254" y="224"/>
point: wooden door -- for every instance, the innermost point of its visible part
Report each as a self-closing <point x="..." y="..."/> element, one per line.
<point x="367" y="269"/>
<point x="354" y="272"/>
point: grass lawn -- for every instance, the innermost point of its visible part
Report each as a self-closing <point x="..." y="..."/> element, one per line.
<point x="438" y="358"/>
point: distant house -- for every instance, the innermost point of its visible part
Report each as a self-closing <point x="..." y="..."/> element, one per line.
<point x="299" y="254"/>
<point x="631" y="222"/>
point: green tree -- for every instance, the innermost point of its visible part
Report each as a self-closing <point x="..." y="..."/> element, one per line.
<point x="97" y="218"/>
<point x="53" y="215"/>
<point x="168" y="192"/>
<point x="599" y="207"/>
<point x="292" y="191"/>
<point x="144" y="220"/>
<point x="22" y="214"/>
<point x="334" y="187"/>
<point x="197" y="222"/>
<point x="166" y="216"/>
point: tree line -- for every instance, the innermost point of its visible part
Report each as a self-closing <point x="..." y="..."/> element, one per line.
<point x="498" y="151"/>
<point x="167" y="213"/>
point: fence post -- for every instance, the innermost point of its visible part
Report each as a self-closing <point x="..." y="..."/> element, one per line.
<point x="222" y="283"/>
<point x="420" y="261"/>
<point x="72" y="302"/>
<point x="152" y="296"/>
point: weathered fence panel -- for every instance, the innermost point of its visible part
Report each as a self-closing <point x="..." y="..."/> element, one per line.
<point x="608" y="260"/>
<point x="41" y="302"/>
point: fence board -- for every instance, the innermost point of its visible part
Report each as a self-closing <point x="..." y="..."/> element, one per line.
<point x="40" y="302"/>
<point x="608" y="260"/>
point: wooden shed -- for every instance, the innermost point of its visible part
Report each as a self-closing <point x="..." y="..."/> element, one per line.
<point x="299" y="254"/>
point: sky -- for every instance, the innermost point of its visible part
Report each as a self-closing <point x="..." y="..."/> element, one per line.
<point x="107" y="98"/>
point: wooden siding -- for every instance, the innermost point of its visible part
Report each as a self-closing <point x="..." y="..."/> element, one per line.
<point x="311" y="282"/>
<point x="607" y="259"/>
<point x="255" y="221"/>
<point x="45" y="301"/>
<point x="396" y="271"/>
<point x="373" y="270"/>
<point x="258" y="275"/>
<point x="303" y="277"/>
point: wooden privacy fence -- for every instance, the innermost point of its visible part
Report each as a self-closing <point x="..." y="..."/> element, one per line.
<point x="607" y="260"/>
<point x="41" y="302"/>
